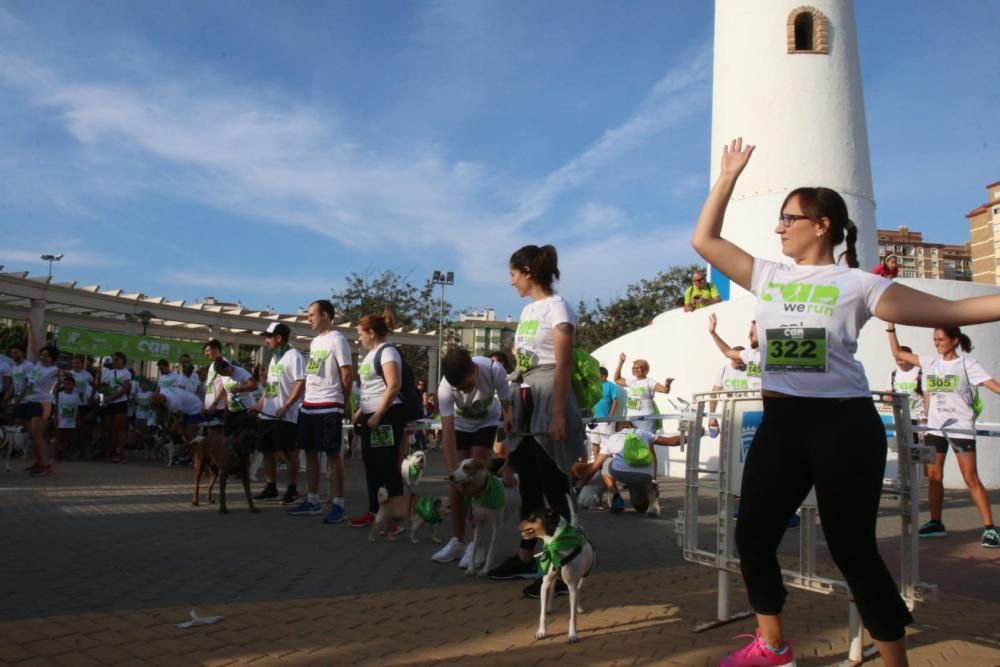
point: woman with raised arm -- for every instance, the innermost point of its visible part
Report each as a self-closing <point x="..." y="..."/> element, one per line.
<point x="950" y="380"/>
<point x="41" y="377"/>
<point x="820" y="427"/>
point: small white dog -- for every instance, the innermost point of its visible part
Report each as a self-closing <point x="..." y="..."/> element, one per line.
<point x="14" y="438"/>
<point x="412" y="469"/>
<point x="567" y="555"/>
<point x="488" y="498"/>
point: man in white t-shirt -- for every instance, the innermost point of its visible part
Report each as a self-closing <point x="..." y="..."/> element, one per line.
<point x="619" y="462"/>
<point x="329" y="378"/>
<point x="181" y="402"/>
<point x="190" y="376"/>
<point x="214" y="397"/>
<point x="279" y="410"/>
<point x="168" y="378"/>
<point x="473" y="396"/>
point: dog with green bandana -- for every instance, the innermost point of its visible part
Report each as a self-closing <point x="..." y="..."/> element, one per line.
<point x="566" y="554"/>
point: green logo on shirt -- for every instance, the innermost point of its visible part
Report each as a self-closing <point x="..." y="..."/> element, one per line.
<point x="803" y="297"/>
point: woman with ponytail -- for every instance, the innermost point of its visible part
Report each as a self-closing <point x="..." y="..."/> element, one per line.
<point x="547" y="436"/>
<point x="820" y="428"/>
<point x="380" y="417"/>
<point x="951" y="382"/>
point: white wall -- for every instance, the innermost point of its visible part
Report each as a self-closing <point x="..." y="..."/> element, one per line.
<point x="677" y="345"/>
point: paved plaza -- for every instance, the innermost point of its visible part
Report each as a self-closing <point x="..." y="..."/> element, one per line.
<point x="102" y="561"/>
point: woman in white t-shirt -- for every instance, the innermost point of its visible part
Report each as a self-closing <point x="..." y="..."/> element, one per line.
<point x="380" y="413"/>
<point x="950" y="380"/>
<point x="116" y="385"/>
<point x="641" y="392"/>
<point x="41" y="379"/>
<point x="820" y="427"/>
<point x="547" y="435"/>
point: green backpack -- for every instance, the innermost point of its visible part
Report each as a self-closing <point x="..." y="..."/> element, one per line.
<point x="586" y="378"/>
<point x="636" y="452"/>
<point x="977" y="402"/>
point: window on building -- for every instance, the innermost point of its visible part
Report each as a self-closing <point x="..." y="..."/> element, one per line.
<point x="807" y="31"/>
<point x="934" y="252"/>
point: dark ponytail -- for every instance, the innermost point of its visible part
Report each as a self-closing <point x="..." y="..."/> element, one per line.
<point x="541" y="263"/>
<point x="952" y="333"/>
<point x="818" y="203"/>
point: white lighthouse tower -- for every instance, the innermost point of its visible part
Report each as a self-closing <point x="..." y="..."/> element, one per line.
<point x="787" y="79"/>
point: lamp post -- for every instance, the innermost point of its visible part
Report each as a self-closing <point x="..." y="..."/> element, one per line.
<point x="441" y="278"/>
<point x="144" y="316"/>
<point x="50" y="259"/>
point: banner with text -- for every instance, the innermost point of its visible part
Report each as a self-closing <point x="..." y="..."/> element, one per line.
<point x="139" y="348"/>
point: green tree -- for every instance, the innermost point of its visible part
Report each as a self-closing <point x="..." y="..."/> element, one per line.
<point x="415" y="308"/>
<point x="635" y="309"/>
<point x="12" y="332"/>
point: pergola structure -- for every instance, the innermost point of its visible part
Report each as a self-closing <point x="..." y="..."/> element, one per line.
<point x="46" y="303"/>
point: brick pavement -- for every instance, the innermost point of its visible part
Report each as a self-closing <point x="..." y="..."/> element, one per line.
<point x="103" y="560"/>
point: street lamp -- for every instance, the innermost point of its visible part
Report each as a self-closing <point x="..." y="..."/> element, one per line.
<point x="441" y="278"/>
<point x="144" y="316"/>
<point x="50" y="259"/>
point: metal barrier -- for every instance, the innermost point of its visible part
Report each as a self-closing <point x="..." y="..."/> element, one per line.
<point x="740" y="415"/>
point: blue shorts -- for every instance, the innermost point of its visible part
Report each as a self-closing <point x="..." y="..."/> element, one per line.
<point x="321" y="432"/>
<point x="195" y="418"/>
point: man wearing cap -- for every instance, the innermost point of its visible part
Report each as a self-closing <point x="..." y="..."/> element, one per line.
<point x="329" y="378"/>
<point x="279" y="410"/>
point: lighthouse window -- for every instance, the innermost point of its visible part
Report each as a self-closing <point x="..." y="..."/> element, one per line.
<point x="804" y="32"/>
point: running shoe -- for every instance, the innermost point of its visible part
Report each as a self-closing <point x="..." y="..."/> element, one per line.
<point x="32" y="468"/>
<point x="362" y="521"/>
<point x="335" y="515"/>
<point x="467" y="557"/>
<point x="794" y="521"/>
<point x="45" y="471"/>
<point x="450" y="551"/>
<point x="534" y="589"/>
<point x="514" y="568"/>
<point x="758" y="654"/>
<point x="991" y="538"/>
<point x="395" y="528"/>
<point x="291" y="496"/>
<point x="617" y="504"/>
<point x="269" y="492"/>
<point x="306" y="508"/>
<point x="932" y="528"/>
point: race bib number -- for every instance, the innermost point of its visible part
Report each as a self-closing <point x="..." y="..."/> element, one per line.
<point x="753" y="369"/>
<point x="67" y="411"/>
<point x="271" y="391"/>
<point x="383" y="437"/>
<point x="316" y="360"/>
<point x="943" y="383"/>
<point x="796" y="350"/>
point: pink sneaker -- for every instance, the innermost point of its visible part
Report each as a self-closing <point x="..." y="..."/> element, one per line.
<point x="757" y="654"/>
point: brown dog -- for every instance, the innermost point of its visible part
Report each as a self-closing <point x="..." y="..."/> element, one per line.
<point x="229" y="457"/>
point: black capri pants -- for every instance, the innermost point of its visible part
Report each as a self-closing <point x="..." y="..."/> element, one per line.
<point x="540" y="481"/>
<point x="380" y="453"/>
<point x="838" y="445"/>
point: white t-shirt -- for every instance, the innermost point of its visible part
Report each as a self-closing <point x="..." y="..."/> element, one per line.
<point x="142" y="409"/>
<point x="950" y="385"/>
<point x="614" y="445"/>
<point x="731" y="379"/>
<point x="115" y="379"/>
<point x="133" y="398"/>
<point x="479" y="408"/>
<point x="19" y="376"/>
<point x="68" y="406"/>
<point x="808" y="321"/>
<point x="641" y="394"/>
<point x="213" y="386"/>
<point x="82" y="379"/>
<point x="41" y="381"/>
<point x="282" y="374"/>
<point x="239" y="377"/>
<point x="372" y="384"/>
<point x="171" y="380"/>
<point x="324" y="391"/>
<point x="183" y="401"/>
<point x="906" y="382"/>
<point x="534" y="344"/>
<point x="191" y="382"/>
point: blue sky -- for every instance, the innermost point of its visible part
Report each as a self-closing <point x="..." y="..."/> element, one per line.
<point x="261" y="151"/>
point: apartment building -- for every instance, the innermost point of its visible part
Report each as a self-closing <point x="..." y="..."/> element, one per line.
<point x="922" y="259"/>
<point x="481" y="333"/>
<point x="984" y="231"/>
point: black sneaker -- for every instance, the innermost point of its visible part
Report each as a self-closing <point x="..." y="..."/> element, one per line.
<point x="932" y="528"/>
<point x="514" y="568"/>
<point x="268" y="493"/>
<point x="291" y="496"/>
<point x="534" y="589"/>
<point x="991" y="538"/>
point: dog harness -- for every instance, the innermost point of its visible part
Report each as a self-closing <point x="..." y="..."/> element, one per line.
<point x="426" y="511"/>
<point x="492" y="495"/>
<point x="413" y="472"/>
<point x="567" y="538"/>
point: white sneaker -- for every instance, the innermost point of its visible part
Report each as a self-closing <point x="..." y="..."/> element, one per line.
<point x="449" y="552"/>
<point x="466" y="561"/>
